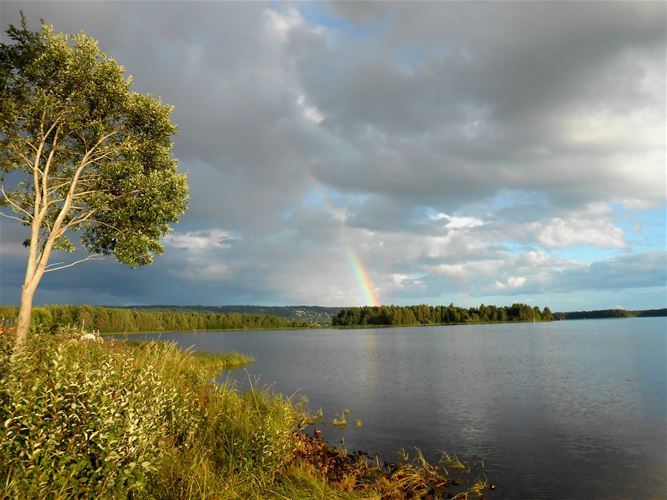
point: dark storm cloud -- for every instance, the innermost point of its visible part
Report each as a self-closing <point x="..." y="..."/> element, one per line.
<point x="480" y="107"/>
<point x="234" y="104"/>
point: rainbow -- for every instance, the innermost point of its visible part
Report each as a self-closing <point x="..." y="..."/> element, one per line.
<point x="358" y="267"/>
<point x="360" y="271"/>
<point x="362" y="275"/>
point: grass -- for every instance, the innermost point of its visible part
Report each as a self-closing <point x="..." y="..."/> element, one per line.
<point x="215" y="362"/>
<point x="211" y="363"/>
<point x="114" y="419"/>
<point x="340" y="420"/>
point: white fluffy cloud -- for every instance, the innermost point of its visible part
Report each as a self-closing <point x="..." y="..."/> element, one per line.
<point x="562" y="233"/>
<point x="199" y="241"/>
<point x="459" y="222"/>
<point x="511" y="282"/>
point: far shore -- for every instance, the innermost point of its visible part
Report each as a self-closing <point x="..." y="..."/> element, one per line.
<point x="320" y="327"/>
<point x="216" y="330"/>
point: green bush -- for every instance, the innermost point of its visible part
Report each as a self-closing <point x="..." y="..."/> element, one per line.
<point x="112" y="419"/>
<point x="87" y="421"/>
<point x="41" y="320"/>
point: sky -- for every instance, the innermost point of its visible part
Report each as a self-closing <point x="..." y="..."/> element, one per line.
<point x="397" y="153"/>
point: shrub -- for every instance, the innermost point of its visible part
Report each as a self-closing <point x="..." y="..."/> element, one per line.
<point x="86" y="420"/>
<point x="41" y="320"/>
<point x="112" y="419"/>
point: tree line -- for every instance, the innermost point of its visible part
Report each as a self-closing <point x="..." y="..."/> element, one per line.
<point x="611" y="313"/>
<point x="315" y="314"/>
<point x="436" y="315"/>
<point x="117" y="320"/>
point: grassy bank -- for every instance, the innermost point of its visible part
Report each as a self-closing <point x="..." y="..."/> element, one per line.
<point x="112" y="419"/>
<point x="215" y="362"/>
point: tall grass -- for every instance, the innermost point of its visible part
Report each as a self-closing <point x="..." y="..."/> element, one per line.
<point x="115" y="420"/>
<point x="108" y="419"/>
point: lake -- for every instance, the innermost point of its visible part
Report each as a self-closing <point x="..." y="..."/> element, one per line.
<point x="568" y="409"/>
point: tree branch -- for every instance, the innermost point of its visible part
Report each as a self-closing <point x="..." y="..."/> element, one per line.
<point x="84" y="193"/>
<point x="47" y="165"/>
<point x="58" y="267"/>
<point x="41" y="122"/>
<point x="55" y="188"/>
<point x="9" y="200"/>
<point x="100" y="157"/>
<point x="27" y="142"/>
<point x="35" y="180"/>
<point x="23" y="157"/>
<point x="101" y="140"/>
<point x="110" y="226"/>
<point x="77" y="220"/>
<point x="11" y="217"/>
<point x="55" y="122"/>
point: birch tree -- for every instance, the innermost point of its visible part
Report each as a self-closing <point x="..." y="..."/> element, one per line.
<point x="86" y="163"/>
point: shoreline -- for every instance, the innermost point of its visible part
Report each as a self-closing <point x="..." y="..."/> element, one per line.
<point x="325" y="327"/>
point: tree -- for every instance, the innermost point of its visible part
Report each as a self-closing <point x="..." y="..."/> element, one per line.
<point x="81" y="153"/>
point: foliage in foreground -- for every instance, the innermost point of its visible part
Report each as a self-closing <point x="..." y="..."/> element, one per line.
<point x="109" y="419"/>
<point x="113" y="419"/>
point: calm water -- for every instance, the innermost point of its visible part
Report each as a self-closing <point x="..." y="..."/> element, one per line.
<point x="571" y="409"/>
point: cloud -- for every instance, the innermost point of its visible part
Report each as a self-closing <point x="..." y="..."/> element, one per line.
<point x="199" y="241"/>
<point x="512" y="106"/>
<point x="282" y="22"/>
<point x="512" y="282"/>
<point x="459" y="222"/>
<point x="560" y="233"/>
<point x="457" y="149"/>
<point x="648" y="270"/>
<point x="310" y="113"/>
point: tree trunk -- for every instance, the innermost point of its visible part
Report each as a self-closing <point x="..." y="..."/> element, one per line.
<point x="24" y="318"/>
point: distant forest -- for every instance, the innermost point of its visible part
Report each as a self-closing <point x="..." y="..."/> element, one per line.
<point x="610" y="313"/>
<point x="117" y="320"/>
<point x="315" y="314"/>
<point x="437" y="315"/>
<point x="189" y="318"/>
